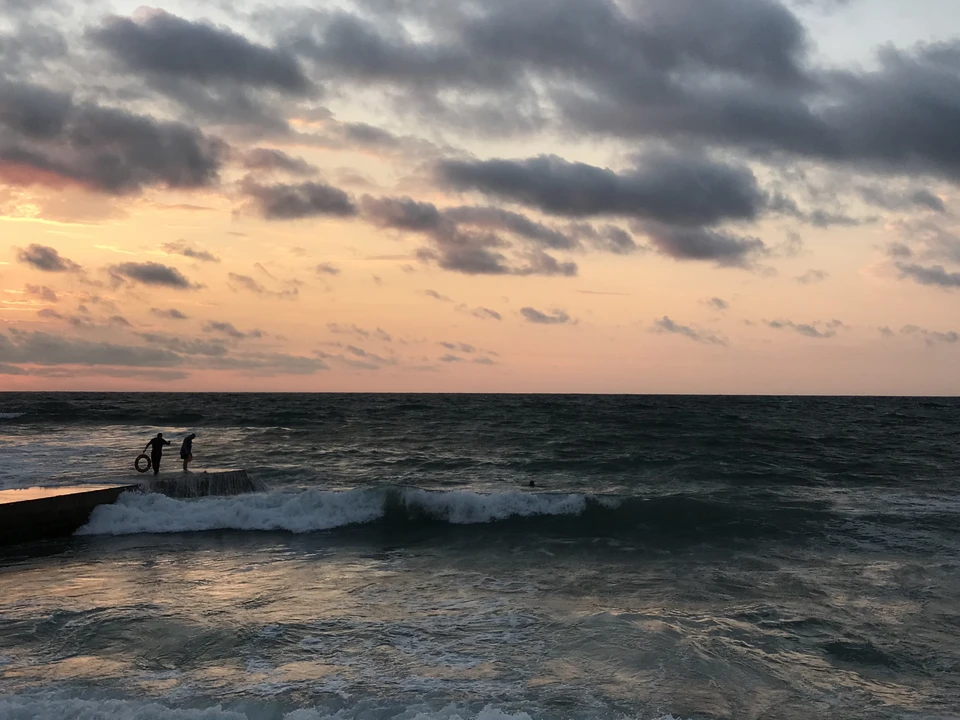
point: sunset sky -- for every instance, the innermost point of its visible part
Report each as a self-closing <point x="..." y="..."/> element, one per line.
<point x="650" y="196"/>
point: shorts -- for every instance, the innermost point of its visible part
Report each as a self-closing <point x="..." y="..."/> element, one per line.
<point x="188" y="456"/>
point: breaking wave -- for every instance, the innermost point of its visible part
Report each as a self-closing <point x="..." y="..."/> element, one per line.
<point x="399" y="509"/>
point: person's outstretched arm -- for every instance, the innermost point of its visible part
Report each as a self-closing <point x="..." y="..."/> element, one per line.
<point x="166" y="442"/>
<point x="146" y="446"/>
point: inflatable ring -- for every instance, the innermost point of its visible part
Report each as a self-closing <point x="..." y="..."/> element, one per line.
<point x="136" y="463"/>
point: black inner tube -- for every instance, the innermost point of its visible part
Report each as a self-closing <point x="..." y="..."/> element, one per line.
<point x="146" y="466"/>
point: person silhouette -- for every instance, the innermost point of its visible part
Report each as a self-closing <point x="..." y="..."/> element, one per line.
<point x="157" y="452"/>
<point x="186" y="450"/>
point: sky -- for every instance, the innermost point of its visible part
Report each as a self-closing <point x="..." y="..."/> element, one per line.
<point x="584" y="196"/>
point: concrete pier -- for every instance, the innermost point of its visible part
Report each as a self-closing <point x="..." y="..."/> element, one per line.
<point x="39" y="513"/>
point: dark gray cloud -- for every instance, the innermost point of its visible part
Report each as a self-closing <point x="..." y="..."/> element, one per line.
<point x="230" y="330"/>
<point x="119" y="320"/>
<point x="302" y="200"/>
<point x="481" y="313"/>
<point x="249" y="284"/>
<point x="811" y="277"/>
<point x="186" y="346"/>
<point x="169" y="313"/>
<point x="42" y="292"/>
<point x="666" y="325"/>
<point x="448" y="358"/>
<point x="674" y="188"/>
<point x="686" y="243"/>
<point x="50" y="139"/>
<point x="458" y="347"/>
<point x="498" y="219"/>
<point x="554" y="317"/>
<point x="152" y="273"/>
<point x="46" y="258"/>
<point x="327" y="269"/>
<point x="902" y="200"/>
<point x="166" y="44"/>
<point x="6" y="369"/>
<point x="931" y="337"/>
<point x="718" y="303"/>
<point x="182" y="248"/>
<point x="270" y="160"/>
<point x="933" y="275"/>
<point x="437" y="296"/>
<point x="470" y="251"/>
<point x="40" y="348"/>
<point x="813" y="330"/>
<point x="377" y="333"/>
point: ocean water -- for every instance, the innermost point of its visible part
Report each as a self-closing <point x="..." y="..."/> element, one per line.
<point x="682" y="557"/>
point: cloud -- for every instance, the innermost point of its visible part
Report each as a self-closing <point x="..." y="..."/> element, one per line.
<point x="168" y="45"/>
<point x="46" y="259"/>
<point x="666" y="325"/>
<point x="811" y="330"/>
<point x="481" y="313"/>
<point x="378" y="333"/>
<point x="885" y="331"/>
<point x="327" y="269"/>
<point x="40" y="348"/>
<point x="458" y="347"/>
<point x="119" y="320"/>
<point x="450" y="359"/>
<point x="933" y="275"/>
<point x="42" y="292"/>
<point x="181" y="248"/>
<point x="931" y="337"/>
<point x="470" y="251"/>
<point x="683" y="243"/>
<point x="303" y="200"/>
<point x="270" y="159"/>
<point x="186" y="346"/>
<point x="437" y="296"/>
<point x="152" y="273"/>
<point x="718" y="303"/>
<point x="169" y="313"/>
<point x="229" y="330"/>
<point x="248" y="283"/>
<point x="6" y="369"/>
<point x="902" y="200"/>
<point x="811" y="277"/>
<point x="49" y="313"/>
<point x="50" y="140"/>
<point x="674" y="189"/>
<point x="555" y="317"/>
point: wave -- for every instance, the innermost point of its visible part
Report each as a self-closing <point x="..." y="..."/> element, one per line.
<point x="11" y="415"/>
<point x="400" y="509"/>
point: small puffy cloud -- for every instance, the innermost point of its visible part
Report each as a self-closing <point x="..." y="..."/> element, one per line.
<point x="181" y="248"/>
<point x="555" y="317"/>
<point x="46" y="259"/>
<point x="931" y="337"/>
<point x="42" y="292"/>
<point x="932" y="275"/>
<point x="450" y="359"/>
<point x="168" y="313"/>
<point x="229" y="330"/>
<point x="811" y="276"/>
<point x="270" y="160"/>
<point x="247" y="283"/>
<point x="327" y="269"/>
<point x="49" y="314"/>
<point x="481" y="313"/>
<point x="458" y="347"/>
<point x="152" y="273"/>
<point x="666" y="325"/>
<point x="186" y="346"/>
<point x="437" y="296"/>
<point x="296" y="201"/>
<point x="816" y="330"/>
<point x="717" y="303"/>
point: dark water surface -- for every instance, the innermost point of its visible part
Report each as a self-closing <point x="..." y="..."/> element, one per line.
<point x="695" y="557"/>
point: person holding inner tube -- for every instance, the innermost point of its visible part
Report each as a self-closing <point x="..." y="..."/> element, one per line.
<point x="157" y="452"/>
<point x="186" y="450"/>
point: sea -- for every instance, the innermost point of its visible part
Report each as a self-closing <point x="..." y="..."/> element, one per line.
<point x="490" y="557"/>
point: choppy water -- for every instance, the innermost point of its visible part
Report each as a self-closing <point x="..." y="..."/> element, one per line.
<point x="685" y="557"/>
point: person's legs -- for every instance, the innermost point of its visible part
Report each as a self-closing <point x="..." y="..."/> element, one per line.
<point x="155" y="461"/>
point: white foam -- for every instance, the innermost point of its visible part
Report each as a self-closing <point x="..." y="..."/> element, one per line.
<point x="10" y="415"/>
<point x="314" y="510"/>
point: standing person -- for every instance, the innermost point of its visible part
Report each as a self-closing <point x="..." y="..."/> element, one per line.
<point x="186" y="450"/>
<point x="157" y="452"/>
